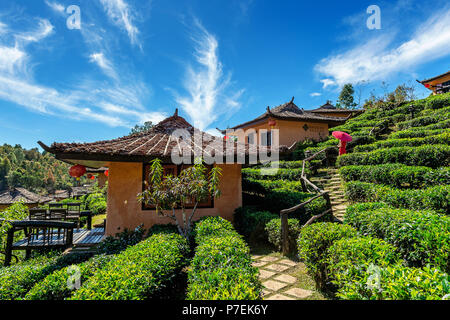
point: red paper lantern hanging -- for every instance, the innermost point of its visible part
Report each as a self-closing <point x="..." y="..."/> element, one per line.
<point x="91" y="176"/>
<point x="272" y="123"/>
<point x="77" y="171"/>
<point x="106" y="172"/>
<point x="427" y="85"/>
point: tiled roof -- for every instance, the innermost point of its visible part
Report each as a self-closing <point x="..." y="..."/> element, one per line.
<point x="173" y="133"/>
<point x="21" y="194"/>
<point x="289" y="111"/>
<point x="436" y="77"/>
<point x="329" y="108"/>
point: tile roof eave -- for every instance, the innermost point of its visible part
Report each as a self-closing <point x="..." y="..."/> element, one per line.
<point x="436" y="77"/>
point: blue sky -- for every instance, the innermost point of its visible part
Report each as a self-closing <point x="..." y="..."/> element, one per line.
<point x="220" y="62"/>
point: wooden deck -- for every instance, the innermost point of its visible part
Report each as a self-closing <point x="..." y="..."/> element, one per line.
<point x="81" y="238"/>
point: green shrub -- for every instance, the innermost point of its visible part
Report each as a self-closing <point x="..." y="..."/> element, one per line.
<point x="251" y="222"/>
<point x="402" y="283"/>
<point x="444" y="124"/>
<point x="221" y="268"/>
<point x="121" y="241"/>
<point x="273" y="230"/>
<point x="443" y="138"/>
<point x="422" y="121"/>
<point x="416" y="133"/>
<point x="16" y="211"/>
<point x="397" y="175"/>
<point x="139" y="272"/>
<point x="421" y="237"/>
<point x="96" y="202"/>
<point x="55" y="285"/>
<point x="349" y="263"/>
<point x="276" y="174"/>
<point x="313" y="243"/>
<point x="431" y="156"/>
<point x="435" y="198"/>
<point x="266" y="186"/>
<point x="438" y="101"/>
<point x="17" y="280"/>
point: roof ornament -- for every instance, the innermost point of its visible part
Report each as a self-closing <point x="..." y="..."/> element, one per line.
<point x="292" y="100"/>
<point x="268" y="110"/>
<point x="176" y="113"/>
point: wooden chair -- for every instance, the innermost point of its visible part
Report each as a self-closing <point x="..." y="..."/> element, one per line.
<point x="57" y="215"/>
<point x="74" y="212"/>
<point x="38" y="214"/>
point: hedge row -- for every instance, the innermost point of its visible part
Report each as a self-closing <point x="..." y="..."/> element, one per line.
<point x="272" y="174"/>
<point x="422" y="121"/>
<point x="251" y="222"/>
<point x="397" y="175"/>
<point x="443" y="138"/>
<point x="55" y="286"/>
<point x="364" y="267"/>
<point x="431" y="156"/>
<point x="139" y="272"/>
<point x="416" y="133"/>
<point x="438" y="101"/>
<point x="435" y="198"/>
<point x="421" y="237"/>
<point x="265" y="186"/>
<point x="445" y="124"/>
<point x="222" y="267"/>
<point x="17" y="280"/>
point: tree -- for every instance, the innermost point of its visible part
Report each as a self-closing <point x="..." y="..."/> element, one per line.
<point x="167" y="193"/>
<point x="346" y="99"/>
<point x="145" y="127"/>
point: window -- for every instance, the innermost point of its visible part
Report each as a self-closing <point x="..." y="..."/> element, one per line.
<point x="251" y="138"/>
<point x="174" y="170"/>
<point x="266" y="138"/>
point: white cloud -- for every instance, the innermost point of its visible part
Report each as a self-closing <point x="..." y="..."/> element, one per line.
<point x="207" y="86"/>
<point x="122" y="15"/>
<point x="55" y="6"/>
<point x="114" y="104"/>
<point x="106" y="65"/>
<point x="379" y="57"/>
<point x="315" y="94"/>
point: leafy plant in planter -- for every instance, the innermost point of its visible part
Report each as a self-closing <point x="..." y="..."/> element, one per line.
<point x="169" y="193"/>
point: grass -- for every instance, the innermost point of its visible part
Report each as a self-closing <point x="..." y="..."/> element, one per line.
<point x="98" y="219"/>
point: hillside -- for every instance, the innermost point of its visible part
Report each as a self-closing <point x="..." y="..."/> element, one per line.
<point x="32" y="170"/>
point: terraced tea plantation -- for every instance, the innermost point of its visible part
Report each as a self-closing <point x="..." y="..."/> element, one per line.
<point x="394" y="242"/>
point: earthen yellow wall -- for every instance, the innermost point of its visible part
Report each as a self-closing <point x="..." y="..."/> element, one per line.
<point x="125" y="182"/>
<point x="289" y="131"/>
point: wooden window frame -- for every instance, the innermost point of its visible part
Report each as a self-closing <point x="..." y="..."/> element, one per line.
<point x="177" y="169"/>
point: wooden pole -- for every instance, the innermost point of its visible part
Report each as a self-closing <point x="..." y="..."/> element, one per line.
<point x="285" y="233"/>
<point x="9" y="244"/>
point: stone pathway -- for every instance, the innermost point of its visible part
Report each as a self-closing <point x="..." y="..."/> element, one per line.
<point x="280" y="278"/>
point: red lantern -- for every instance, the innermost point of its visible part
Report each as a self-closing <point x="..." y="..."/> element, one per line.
<point x="106" y="172"/>
<point x="272" y="123"/>
<point x="91" y="176"/>
<point x="77" y="171"/>
<point x="427" y="85"/>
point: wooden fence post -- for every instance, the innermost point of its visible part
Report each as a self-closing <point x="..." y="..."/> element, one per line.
<point x="285" y="233"/>
<point x="9" y="244"/>
<point x="328" y="201"/>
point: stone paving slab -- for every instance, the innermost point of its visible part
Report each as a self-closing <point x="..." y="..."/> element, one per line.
<point x="279" y="297"/>
<point x="269" y="259"/>
<point x="299" y="293"/>
<point x="274" y="285"/>
<point x="287" y="262"/>
<point x="264" y="274"/>
<point x="277" y="267"/>
<point x="286" y="278"/>
<point x="259" y="263"/>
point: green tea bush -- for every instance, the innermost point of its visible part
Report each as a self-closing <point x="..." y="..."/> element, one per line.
<point x="438" y="101"/>
<point x="443" y="138"/>
<point x="55" y="285"/>
<point x="121" y="241"/>
<point x="251" y="222"/>
<point x="266" y="186"/>
<point x="284" y="174"/>
<point x="433" y="156"/>
<point x="435" y="198"/>
<point x="16" y="211"/>
<point x="349" y="263"/>
<point x="139" y="272"/>
<point x="397" y="175"/>
<point x="421" y="237"/>
<point x="422" y="121"/>
<point x="221" y="268"/>
<point x="273" y="230"/>
<point x="313" y="243"/>
<point x="17" y="280"/>
<point x="397" y="282"/>
<point x="96" y="202"/>
<point x="416" y="133"/>
<point x="444" y="124"/>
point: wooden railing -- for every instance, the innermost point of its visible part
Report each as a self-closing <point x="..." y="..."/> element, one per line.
<point x="285" y="212"/>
